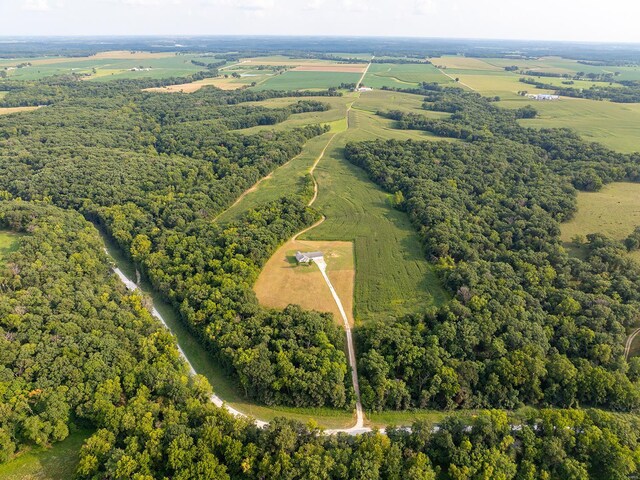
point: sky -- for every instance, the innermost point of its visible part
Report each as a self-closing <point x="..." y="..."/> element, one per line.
<point x="573" y="20"/>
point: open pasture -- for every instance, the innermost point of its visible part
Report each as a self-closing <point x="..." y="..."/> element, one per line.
<point x="9" y="110"/>
<point x="283" y="282"/>
<point x="613" y="211"/>
<point x="338" y="67"/>
<point x="393" y="276"/>
<point x="463" y="63"/>
<point x="616" y="125"/>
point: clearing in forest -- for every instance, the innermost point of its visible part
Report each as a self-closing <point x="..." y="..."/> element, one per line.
<point x="8" y="110"/>
<point x="393" y="276"/>
<point x="613" y="211"/>
<point x="283" y="282"/>
<point x="8" y="244"/>
<point x="47" y="463"/>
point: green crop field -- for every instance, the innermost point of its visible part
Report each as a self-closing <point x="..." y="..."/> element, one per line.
<point x="294" y="80"/>
<point x="54" y="463"/>
<point x="402" y="75"/>
<point x="8" y="244"/>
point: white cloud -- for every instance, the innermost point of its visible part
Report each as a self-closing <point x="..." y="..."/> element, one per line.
<point x="255" y="6"/>
<point x="425" y="7"/>
<point x="314" y="4"/>
<point x="36" y="5"/>
<point x="356" y="5"/>
<point x="146" y="3"/>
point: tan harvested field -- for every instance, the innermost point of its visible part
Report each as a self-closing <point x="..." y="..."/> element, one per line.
<point x="220" y="82"/>
<point x="282" y="282"/>
<point x="340" y="67"/>
<point x="8" y="110"/>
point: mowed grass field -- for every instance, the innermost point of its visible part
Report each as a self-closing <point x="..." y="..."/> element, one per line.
<point x="392" y="274"/>
<point x="402" y="75"/>
<point x="283" y="282"/>
<point x="613" y="211"/>
<point x="55" y="463"/>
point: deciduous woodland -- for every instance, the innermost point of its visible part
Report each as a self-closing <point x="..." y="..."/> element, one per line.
<point x="528" y="326"/>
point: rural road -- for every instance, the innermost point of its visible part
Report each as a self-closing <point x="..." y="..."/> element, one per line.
<point x="458" y="82"/>
<point x="350" y="349"/>
<point x="627" y="347"/>
<point x="218" y="402"/>
<point x="364" y="73"/>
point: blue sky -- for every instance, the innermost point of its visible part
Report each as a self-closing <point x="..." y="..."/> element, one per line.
<point x="594" y="20"/>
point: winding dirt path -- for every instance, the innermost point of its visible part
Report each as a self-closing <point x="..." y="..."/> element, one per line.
<point x="627" y="347"/>
<point x="359" y="425"/>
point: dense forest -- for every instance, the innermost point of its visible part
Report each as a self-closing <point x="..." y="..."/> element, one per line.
<point x="78" y="349"/>
<point x="154" y="171"/>
<point x="529" y="324"/>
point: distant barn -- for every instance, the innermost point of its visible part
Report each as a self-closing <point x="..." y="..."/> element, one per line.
<point x="543" y="96"/>
<point x="308" y="257"/>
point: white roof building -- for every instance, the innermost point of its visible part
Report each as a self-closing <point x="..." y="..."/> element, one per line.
<point x="308" y="257"/>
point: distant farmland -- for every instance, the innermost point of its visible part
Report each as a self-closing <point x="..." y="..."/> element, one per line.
<point x="105" y="66"/>
<point x="295" y="80"/>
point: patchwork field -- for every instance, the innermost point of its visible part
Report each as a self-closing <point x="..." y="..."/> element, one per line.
<point x="295" y="80"/>
<point x="402" y="75"/>
<point x="106" y="66"/>
<point x="613" y="211"/>
<point x="282" y="282"/>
